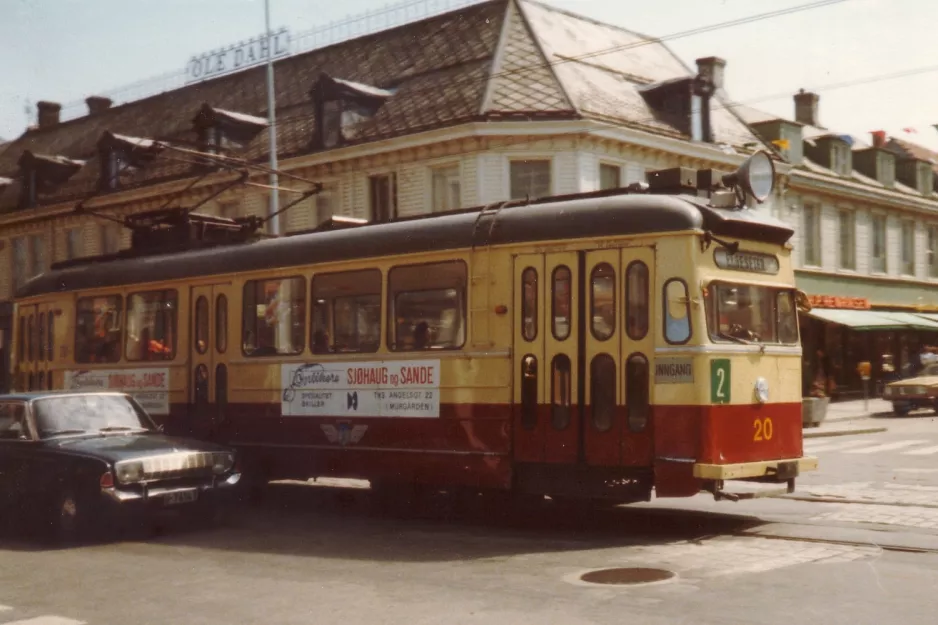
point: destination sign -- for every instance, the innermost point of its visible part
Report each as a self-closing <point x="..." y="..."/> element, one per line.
<point x="674" y="371"/>
<point x="746" y="261"/>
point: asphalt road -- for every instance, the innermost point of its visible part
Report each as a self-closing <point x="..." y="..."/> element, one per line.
<point x="860" y="550"/>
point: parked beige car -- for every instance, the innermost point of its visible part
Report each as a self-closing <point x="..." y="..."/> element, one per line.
<point x="913" y="393"/>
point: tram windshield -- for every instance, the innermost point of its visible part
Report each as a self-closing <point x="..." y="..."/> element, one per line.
<point x="745" y="313"/>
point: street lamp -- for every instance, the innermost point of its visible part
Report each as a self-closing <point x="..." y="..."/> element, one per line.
<point x="272" y="132"/>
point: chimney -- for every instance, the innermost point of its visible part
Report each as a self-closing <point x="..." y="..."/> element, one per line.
<point x="806" y="108"/>
<point x="709" y="80"/>
<point x="879" y="138"/>
<point x="48" y="114"/>
<point x="711" y="70"/>
<point x="97" y="104"/>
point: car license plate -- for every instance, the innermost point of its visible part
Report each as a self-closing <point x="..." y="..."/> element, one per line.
<point x="181" y="496"/>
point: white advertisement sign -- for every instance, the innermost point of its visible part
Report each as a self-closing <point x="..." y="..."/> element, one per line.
<point x="407" y="388"/>
<point x="150" y="387"/>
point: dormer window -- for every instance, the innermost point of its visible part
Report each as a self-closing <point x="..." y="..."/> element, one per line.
<point x="840" y="158"/>
<point x="41" y="172"/>
<point x="222" y="132"/>
<point x="926" y="178"/>
<point x="343" y="109"/>
<point x="121" y="156"/>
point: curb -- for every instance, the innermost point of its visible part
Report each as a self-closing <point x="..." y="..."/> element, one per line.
<point x="823" y="434"/>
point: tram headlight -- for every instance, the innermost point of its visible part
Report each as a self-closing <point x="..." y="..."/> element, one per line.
<point x="762" y="390"/>
<point x="756" y="176"/>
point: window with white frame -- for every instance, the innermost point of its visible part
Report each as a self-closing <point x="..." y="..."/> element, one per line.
<point x="529" y="178"/>
<point x="878" y="237"/>
<point x="933" y="251"/>
<point x="841" y="159"/>
<point x="382" y="192"/>
<point x="908" y="247"/>
<point x="811" y="234"/>
<point x="444" y="181"/>
<point x="74" y="243"/>
<point x="610" y="176"/>
<point x="326" y="204"/>
<point x="847" y="229"/>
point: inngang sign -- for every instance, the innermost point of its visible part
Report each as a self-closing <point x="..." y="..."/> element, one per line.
<point x="235" y="57"/>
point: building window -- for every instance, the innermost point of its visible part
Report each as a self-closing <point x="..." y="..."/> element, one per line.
<point x="529" y="179"/>
<point x="110" y="235"/>
<point x="382" y="191"/>
<point x="113" y="164"/>
<point x="346" y="312"/>
<point x="151" y="326"/>
<point x="325" y="204"/>
<point x="878" y="236"/>
<point x="847" y="257"/>
<point x="933" y="251"/>
<point x="811" y="235"/>
<point x="446" y="190"/>
<point x="344" y="109"/>
<point x="925" y="178"/>
<point x="908" y="247"/>
<point x="21" y="271"/>
<point x="609" y="176"/>
<point x="887" y="169"/>
<point x="37" y="252"/>
<point x="840" y="159"/>
<point x="74" y="244"/>
<point x="98" y="329"/>
<point x="274" y="317"/>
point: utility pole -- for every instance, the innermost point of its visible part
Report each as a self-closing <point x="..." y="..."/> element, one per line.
<point x="272" y="127"/>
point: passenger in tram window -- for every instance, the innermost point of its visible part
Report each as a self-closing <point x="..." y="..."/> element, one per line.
<point x="320" y="342"/>
<point x="422" y="335"/>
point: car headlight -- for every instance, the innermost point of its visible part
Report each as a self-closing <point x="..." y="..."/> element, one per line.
<point x="129" y="472"/>
<point x="222" y="462"/>
<point x="888" y="391"/>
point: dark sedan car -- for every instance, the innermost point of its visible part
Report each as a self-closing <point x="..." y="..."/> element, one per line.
<point x="83" y="461"/>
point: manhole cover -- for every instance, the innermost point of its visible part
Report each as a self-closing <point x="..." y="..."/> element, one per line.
<point x="627" y="576"/>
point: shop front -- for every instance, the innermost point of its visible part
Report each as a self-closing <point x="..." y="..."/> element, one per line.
<point x="853" y="321"/>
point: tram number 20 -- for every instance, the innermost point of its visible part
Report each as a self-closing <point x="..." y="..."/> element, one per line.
<point x="762" y="429"/>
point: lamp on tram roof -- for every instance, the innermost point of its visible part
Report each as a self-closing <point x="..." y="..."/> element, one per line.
<point x="756" y="176"/>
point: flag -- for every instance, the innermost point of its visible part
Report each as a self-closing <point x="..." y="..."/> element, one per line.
<point x="782" y="144"/>
<point x="910" y="130"/>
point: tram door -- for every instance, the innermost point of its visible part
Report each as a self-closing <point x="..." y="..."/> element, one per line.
<point x="546" y="397"/>
<point x="35" y="347"/>
<point x="583" y="342"/>
<point x="208" y="370"/>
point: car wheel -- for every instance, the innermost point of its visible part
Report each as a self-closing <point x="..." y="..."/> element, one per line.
<point x="67" y="519"/>
<point x="900" y="411"/>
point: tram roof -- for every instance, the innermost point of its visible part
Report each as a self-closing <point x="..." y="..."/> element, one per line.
<point x="581" y="216"/>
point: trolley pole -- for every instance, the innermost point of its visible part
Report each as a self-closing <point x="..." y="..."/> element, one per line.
<point x="272" y="128"/>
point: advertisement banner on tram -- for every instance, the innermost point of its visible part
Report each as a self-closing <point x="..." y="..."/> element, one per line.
<point x="150" y="387"/>
<point x="408" y="388"/>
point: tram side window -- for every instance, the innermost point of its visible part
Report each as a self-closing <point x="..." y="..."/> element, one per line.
<point x="529" y="304"/>
<point x="560" y="391"/>
<point x="677" y="326"/>
<point x="98" y="329"/>
<point x="560" y="303"/>
<point x="636" y="300"/>
<point x="151" y="325"/>
<point x="787" y="317"/>
<point x="427" y="306"/>
<point x="346" y="312"/>
<point x="636" y="392"/>
<point x="603" y="392"/>
<point x="603" y="301"/>
<point x="274" y="317"/>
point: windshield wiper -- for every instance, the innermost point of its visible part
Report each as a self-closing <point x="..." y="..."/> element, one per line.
<point x="119" y="428"/>
<point x="729" y="337"/>
<point x="62" y="432"/>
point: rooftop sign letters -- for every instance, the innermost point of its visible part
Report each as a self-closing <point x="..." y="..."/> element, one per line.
<point x="235" y="57"/>
<point x="836" y="301"/>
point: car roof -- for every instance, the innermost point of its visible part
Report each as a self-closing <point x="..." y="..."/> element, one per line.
<point x="33" y="395"/>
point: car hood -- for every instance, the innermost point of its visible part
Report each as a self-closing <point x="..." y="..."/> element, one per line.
<point x="922" y="380"/>
<point x="115" y="447"/>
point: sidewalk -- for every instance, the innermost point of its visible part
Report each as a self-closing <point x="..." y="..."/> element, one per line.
<point x="851" y="417"/>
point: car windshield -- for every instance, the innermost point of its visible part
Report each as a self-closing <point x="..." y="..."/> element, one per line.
<point x="745" y="313"/>
<point x="80" y="414"/>
<point x="929" y="370"/>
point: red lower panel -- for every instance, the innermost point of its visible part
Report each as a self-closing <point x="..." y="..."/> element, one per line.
<point x="728" y="434"/>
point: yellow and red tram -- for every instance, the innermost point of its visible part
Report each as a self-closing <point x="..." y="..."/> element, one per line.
<point x="604" y="345"/>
